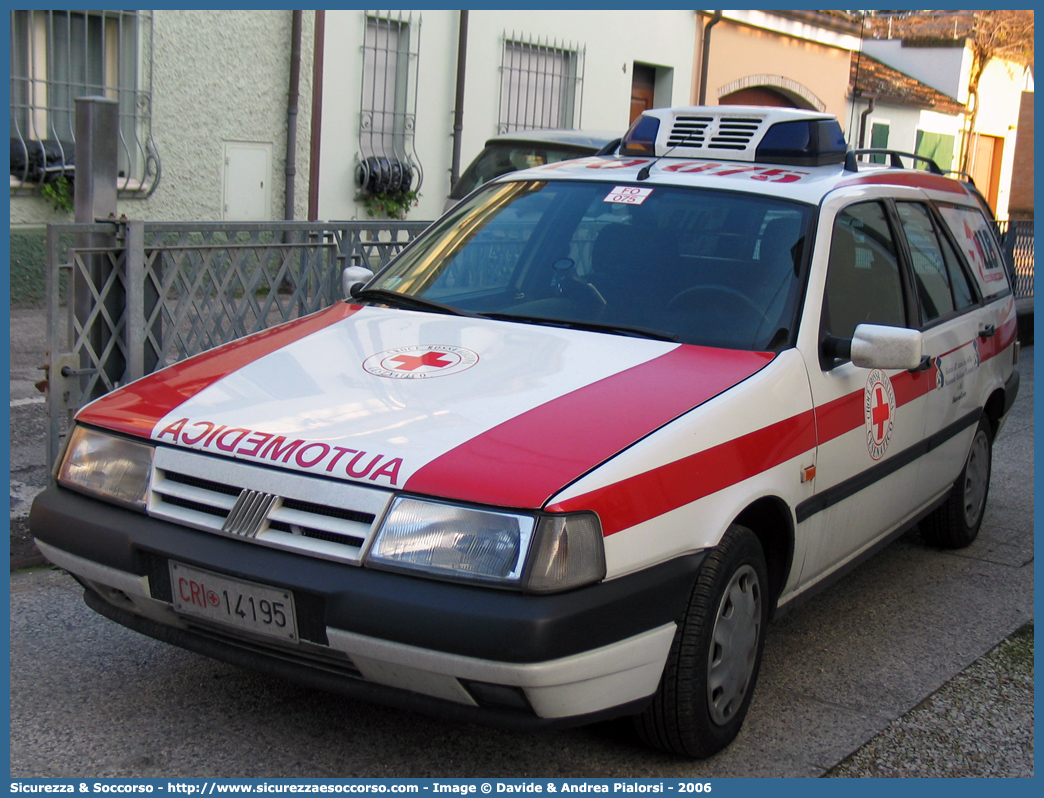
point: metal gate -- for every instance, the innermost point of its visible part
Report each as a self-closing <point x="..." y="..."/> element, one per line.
<point x="1019" y="243"/>
<point x="129" y="297"/>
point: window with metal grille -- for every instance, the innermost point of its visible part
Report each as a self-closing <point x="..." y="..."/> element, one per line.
<point x="541" y="85"/>
<point x="57" y="56"/>
<point x="387" y="120"/>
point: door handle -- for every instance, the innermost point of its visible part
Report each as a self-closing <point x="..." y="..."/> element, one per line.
<point x="988" y="331"/>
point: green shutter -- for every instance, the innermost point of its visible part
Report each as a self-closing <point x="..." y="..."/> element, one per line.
<point x="937" y="146"/>
<point x="878" y="139"/>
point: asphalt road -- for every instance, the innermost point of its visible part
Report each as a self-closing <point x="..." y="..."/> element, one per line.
<point x="91" y="699"/>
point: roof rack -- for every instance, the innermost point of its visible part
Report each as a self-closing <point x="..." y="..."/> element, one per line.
<point x="894" y="156"/>
<point x="967" y="178"/>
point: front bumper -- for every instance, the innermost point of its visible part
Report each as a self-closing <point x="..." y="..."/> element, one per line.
<point x="468" y="652"/>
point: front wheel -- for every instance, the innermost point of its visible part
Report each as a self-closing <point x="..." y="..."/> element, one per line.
<point x="956" y="523"/>
<point x="713" y="664"/>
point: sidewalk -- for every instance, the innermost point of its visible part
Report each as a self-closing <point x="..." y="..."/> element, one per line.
<point x="979" y="724"/>
<point x="29" y="471"/>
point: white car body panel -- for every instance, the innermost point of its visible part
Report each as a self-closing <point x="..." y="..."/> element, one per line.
<point x="315" y="388"/>
<point x="328" y="419"/>
<point x="713" y="426"/>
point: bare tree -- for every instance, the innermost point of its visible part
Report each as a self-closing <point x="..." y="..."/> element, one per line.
<point x="998" y="35"/>
<point x="1005" y="35"/>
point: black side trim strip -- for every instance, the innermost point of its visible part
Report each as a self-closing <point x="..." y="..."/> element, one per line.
<point x="850" y="487"/>
<point x="855" y="562"/>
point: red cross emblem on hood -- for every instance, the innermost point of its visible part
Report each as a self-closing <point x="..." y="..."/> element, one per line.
<point x="414" y="362"/>
<point x="420" y="361"/>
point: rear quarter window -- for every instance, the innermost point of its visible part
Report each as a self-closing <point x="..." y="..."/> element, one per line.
<point x="979" y="246"/>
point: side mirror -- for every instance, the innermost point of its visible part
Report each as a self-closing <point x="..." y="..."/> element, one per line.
<point x="354" y="276"/>
<point x="876" y="346"/>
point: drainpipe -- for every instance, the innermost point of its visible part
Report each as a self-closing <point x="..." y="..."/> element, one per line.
<point x="862" y="121"/>
<point x="705" y="55"/>
<point x="317" y="115"/>
<point x="291" y="114"/>
<point x="458" y="109"/>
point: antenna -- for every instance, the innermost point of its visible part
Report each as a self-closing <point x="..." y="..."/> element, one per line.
<point x="643" y="173"/>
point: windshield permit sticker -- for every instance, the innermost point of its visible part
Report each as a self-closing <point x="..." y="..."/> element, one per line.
<point x="420" y="362"/>
<point x="628" y="195"/>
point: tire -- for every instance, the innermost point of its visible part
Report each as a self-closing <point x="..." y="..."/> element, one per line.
<point x="956" y="523"/>
<point x="713" y="664"/>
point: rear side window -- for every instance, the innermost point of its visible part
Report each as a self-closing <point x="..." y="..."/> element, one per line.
<point x="942" y="287"/>
<point x="978" y="244"/>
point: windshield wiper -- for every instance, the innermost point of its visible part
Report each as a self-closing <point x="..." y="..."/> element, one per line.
<point x="593" y="326"/>
<point x="386" y="297"/>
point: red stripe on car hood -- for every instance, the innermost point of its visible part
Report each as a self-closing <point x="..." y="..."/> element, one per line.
<point x="526" y="460"/>
<point x="137" y="407"/>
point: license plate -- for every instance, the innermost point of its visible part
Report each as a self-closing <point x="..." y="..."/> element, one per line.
<point x="233" y="602"/>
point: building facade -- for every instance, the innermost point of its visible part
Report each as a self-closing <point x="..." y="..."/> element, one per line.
<point x="203" y="108"/>
<point x="983" y="148"/>
<point x="889" y="109"/>
<point x="795" y="58"/>
<point x="390" y="87"/>
<point x="211" y="102"/>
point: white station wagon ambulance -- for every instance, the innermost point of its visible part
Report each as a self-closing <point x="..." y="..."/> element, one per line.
<point x="564" y="457"/>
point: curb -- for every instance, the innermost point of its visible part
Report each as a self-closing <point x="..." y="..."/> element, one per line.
<point x="29" y="561"/>
<point x="25" y="556"/>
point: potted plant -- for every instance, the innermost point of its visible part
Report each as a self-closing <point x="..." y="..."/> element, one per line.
<point x="386" y="187"/>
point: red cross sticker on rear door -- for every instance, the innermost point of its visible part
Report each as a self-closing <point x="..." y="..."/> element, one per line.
<point x="879" y="413"/>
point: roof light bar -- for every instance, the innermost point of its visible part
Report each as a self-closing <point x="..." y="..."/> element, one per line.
<point x="738" y="133"/>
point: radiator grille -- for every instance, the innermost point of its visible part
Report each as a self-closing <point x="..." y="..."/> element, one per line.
<point x="309" y="515"/>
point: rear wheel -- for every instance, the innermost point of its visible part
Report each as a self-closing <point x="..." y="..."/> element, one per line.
<point x="713" y="664"/>
<point x="956" y="523"/>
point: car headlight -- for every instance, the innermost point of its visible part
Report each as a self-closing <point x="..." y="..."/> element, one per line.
<point x="542" y="553"/>
<point x="111" y="468"/>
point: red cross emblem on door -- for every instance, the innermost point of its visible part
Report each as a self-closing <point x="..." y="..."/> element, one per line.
<point x="879" y="412"/>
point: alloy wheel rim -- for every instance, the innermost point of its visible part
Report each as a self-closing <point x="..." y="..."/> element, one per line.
<point x="734" y="645"/>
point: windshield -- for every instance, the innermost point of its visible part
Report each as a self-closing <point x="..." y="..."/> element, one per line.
<point x="702" y="267"/>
